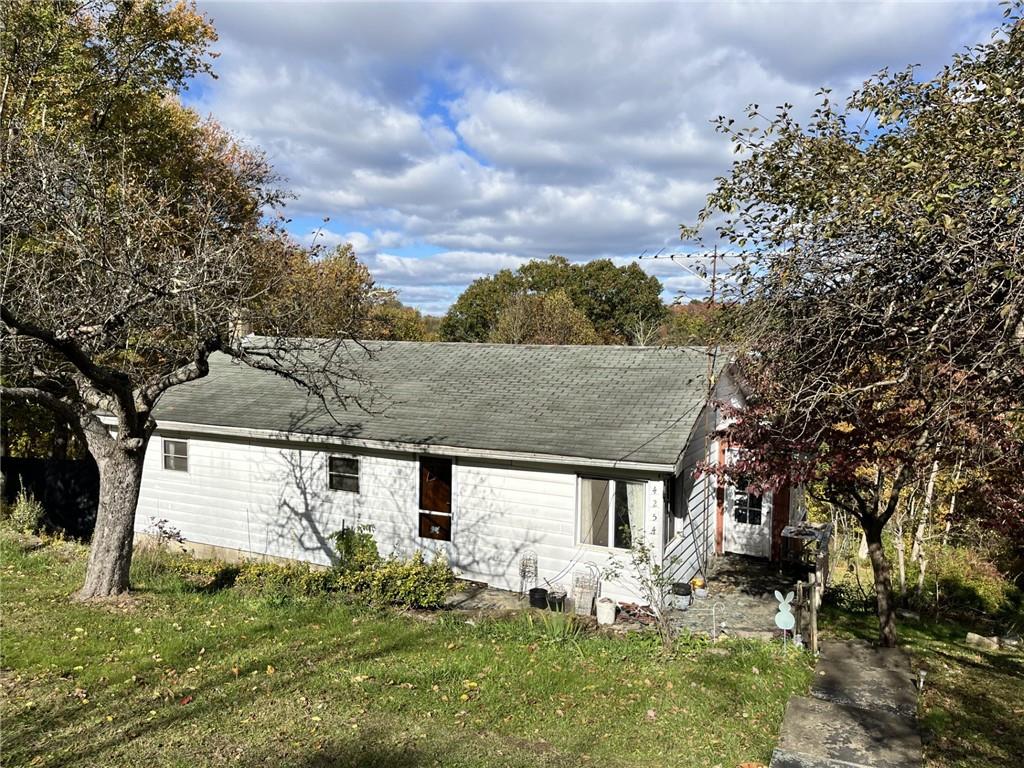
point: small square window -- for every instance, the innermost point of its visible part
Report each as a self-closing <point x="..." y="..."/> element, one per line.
<point x="746" y="506"/>
<point x="343" y="474"/>
<point x="176" y="455"/>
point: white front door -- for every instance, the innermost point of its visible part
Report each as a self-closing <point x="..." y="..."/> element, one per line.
<point x="748" y="522"/>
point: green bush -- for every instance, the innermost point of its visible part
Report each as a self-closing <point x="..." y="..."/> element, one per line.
<point x="847" y="596"/>
<point x="26" y="514"/>
<point x="151" y="564"/>
<point x="203" y="573"/>
<point x="412" y="583"/>
<point x="290" y="578"/>
<point x="963" y="580"/>
<point x="355" y="548"/>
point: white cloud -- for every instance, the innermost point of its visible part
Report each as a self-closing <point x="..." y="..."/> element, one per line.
<point x="498" y="133"/>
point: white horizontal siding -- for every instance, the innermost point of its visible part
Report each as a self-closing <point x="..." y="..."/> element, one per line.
<point x="687" y="553"/>
<point x="273" y="499"/>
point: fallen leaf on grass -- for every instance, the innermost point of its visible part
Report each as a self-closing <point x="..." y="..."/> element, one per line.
<point x="185" y="700"/>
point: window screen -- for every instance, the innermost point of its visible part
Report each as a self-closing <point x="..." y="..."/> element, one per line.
<point x="176" y="455"/>
<point x="343" y="474"/>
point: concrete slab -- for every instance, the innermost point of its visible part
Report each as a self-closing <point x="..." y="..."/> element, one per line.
<point x="864" y="654"/>
<point x="474" y="597"/>
<point x="861" y="676"/>
<point x="823" y="734"/>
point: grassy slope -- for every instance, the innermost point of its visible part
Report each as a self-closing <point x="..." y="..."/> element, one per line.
<point x="180" y="677"/>
<point x="972" y="711"/>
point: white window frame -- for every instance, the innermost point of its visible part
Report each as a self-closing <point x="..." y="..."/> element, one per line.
<point x="612" y="481"/>
<point x="358" y="475"/>
<point x="742" y="500"/>
<point x="164" y="455"/>
<point x="733" y="494"/>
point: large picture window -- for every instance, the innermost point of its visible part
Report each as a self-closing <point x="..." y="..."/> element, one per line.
<point x="435" y="498"/>
<point x="611" y="512"/>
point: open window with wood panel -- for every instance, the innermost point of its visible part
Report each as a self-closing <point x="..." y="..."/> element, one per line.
<point x="435" y="498"/>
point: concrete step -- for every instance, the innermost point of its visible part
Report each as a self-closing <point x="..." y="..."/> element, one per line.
<point x="865" y="677"/>
<point x="823" y="734"/>
<point x="864" y="654"/>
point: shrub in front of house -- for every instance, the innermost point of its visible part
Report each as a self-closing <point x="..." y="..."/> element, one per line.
<point x="286" y="579"/>
<point x="355" y="548"/>
<point x="26" y="514"/>
<point x="411" y="583"/>
<point x="359" y="570"/>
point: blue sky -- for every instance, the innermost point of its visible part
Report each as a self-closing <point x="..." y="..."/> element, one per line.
<point x="448" y="141"/>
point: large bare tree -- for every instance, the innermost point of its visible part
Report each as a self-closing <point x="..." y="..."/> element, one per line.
<point x="134" y="241"/>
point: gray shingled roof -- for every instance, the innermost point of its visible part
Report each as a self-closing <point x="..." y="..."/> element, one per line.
<point x="635" y="404"/>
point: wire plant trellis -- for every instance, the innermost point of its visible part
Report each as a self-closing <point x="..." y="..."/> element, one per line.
<point x="584" y="590"/>
<point x="527" y="572"/>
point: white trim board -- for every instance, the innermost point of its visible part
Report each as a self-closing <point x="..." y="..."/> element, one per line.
<point x="402" y="447"/>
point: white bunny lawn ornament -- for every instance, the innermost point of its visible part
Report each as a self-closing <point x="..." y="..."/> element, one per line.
<point x="784" y="619"/>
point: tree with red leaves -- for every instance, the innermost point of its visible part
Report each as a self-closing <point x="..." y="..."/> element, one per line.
<point x="881" y="280"/>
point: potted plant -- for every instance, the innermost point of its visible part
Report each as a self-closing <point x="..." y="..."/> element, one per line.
<point x="699" y="586"/>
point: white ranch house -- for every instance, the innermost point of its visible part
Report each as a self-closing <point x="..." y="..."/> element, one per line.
<point x="486" y="453"/>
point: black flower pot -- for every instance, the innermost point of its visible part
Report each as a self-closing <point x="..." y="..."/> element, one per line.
<point x="538" y="598"/>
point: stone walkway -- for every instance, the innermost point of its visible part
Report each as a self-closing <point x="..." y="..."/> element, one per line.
<point x="741" y="599"/>
<point x="861" y="712"/>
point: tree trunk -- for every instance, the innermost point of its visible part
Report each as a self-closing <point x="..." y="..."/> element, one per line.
<point x="917" y="552"/>
<point x="110" y="554"/>
<point x="883" y="585"/>
<point x="862" y="550"/>
<point x="900" y="559"/>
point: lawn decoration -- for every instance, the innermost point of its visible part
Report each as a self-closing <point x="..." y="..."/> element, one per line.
<point x="784" y="619"/>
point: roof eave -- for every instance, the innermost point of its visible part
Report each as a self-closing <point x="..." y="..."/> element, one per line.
<point x="404" y="447"/>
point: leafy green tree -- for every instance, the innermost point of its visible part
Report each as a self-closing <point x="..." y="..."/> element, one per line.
<point x="881" y="285"/>
<point x="550" y="274"/>
<point x="698" y="323"/>
<point x="30" y="430"/>
<point x="615" y="297"/>
<point x="612" y="298"/>
<point x="475" y="313"/>
<point x="391" y="320"/>
<point x="549" y="318"/>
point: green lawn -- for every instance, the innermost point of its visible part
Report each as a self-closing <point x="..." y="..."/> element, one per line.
<point x="176" y="676"/>
<point x="972" y="711"/>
